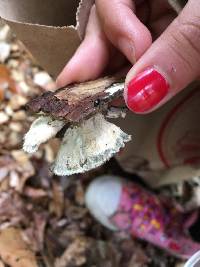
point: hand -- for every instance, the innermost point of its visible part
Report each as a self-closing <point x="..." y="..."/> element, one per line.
<point x="116" y="32"/>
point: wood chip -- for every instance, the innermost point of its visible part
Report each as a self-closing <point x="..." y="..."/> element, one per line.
<point x="74" y="254"/>
<point x="17" y="101"/>
<point x="3" y="118"/>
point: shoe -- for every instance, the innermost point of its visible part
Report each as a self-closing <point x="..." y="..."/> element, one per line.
<point x="123" y="205"/>
<point x="194" y="261"/>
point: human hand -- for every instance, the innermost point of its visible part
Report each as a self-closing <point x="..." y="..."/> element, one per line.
<point x="116" y="32"/>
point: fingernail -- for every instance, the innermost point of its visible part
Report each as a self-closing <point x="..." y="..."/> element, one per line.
<point x="146" y="91"/>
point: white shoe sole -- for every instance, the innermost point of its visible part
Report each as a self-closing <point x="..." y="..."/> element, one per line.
<point x="102" y="198"/>
<point x="194" y="261"/>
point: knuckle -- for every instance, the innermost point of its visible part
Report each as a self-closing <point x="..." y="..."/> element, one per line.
<point x="176" y="48"/>
<point x="185" y="42"/>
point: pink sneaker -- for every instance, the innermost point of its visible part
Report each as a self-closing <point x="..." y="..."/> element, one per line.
<point x="121" y="205"/>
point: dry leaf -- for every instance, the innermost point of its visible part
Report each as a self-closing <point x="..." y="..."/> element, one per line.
<point x="74" y="255"/>
<point x="6" y="83"/>
<point x="58" y="203"/>
<point x="14" y="251"/>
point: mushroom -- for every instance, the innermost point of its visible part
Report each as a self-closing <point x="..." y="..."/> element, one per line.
<point x="89" y="139"/>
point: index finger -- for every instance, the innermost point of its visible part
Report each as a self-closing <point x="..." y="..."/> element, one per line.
<point x="123" y="28"/>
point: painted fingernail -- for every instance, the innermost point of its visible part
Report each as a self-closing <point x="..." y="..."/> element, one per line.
<point x="146" y="90"/>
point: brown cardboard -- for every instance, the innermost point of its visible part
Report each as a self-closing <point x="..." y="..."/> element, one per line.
<point x="47" y="28"/>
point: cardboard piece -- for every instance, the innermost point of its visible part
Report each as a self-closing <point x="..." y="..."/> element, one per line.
<point x="48" y="28"/>
<point x="83" y="15"/>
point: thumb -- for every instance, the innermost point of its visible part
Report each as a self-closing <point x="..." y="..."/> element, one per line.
<point x="169" y="65"/>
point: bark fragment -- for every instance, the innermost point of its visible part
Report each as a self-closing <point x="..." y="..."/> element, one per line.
<point x="79" y="101"/>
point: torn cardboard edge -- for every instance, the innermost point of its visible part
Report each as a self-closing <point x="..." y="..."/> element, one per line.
<point x="82" y="16"/>
<point x="50" y="30"/>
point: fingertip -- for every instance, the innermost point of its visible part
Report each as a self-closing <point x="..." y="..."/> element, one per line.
<point x="146" y="90"/>
<point x="66" y="75"/>
<point x="81" y="67"/>
<point x="90" y="58"/>
<point x="60" y="81"/>
<point x="124" y="30"/>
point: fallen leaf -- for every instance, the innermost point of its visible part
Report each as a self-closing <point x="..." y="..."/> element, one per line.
<point x="14" y="251"/>
<point x="74" y="255"/>
<point x="35" y="193"/>
<point x="35" y="233"/>
<point x="6" y="82"/>
<point x="58" y="203"/>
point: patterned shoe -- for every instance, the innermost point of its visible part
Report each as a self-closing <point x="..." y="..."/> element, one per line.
<point x="126" y="206"/>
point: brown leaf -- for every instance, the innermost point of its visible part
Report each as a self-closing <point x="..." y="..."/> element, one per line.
<point x="58" y="203"/>
<point x="19" y="167"/>
<point x="12" y="209"/>
<point x="79" y="194"/>
<point x="84" y="251"/>
<point x="35" y="193"/>
<point x="35" y="233"/>
<point x="6" y="83"/>
<point x="14" y="251"/>
<point x="74" y="255"/>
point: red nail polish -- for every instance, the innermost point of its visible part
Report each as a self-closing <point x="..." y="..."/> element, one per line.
<point x="146" y="90"/>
